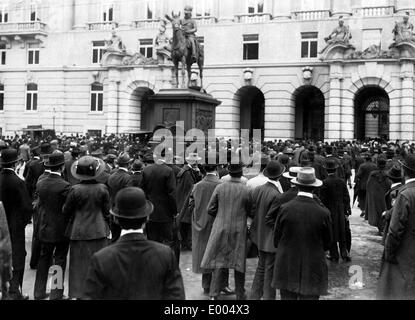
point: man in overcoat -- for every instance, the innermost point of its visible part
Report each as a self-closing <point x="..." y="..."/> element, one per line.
<point x="18" y="206"/>
<point x="336" y="198"/>
<point x="52" y="192"/>
<point x="230" y="205"/>
<point x="5" y="253"/>
<point x="134" y="268"/>
<point x="119" y="179"/>
<point x="159" y="184"/>
<point x="362" y="177"/>
<point x="397" y="276"/>
<point x="302" y="236"/>
<point x="261" y="233"/>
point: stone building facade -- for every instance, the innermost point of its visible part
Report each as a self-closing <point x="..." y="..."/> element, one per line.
<point x="263" y="61"/>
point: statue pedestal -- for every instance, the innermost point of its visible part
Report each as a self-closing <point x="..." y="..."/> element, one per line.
<point x="336" y="51"/>
<point x="195" y="109"/>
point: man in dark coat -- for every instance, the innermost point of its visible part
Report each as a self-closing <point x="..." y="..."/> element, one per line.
<point x="362" y="176"/>
<point x="377" y="186"/>
<point x="34" y="169"/>
<point x="134" y="268"/>
<point x="5" y="253"/>
<point x="159" y="184"/>
<point x="335" y="197"/>
<point x="18" y="206"/>
<point x="186" y="179"/>
<point x="397" y="276"/>
<point x="302" y="235"/>
<point x="52" y="192"/>
<point x="137" y="173"/>
<point x="119" y="179"/>
<point x="261" y="234"/>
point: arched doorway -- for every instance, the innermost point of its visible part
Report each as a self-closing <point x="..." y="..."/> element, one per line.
<point x="252" y="109"/>
<point x="139" y="98"/>
<point x="309" y="113"/>
<point x="371" y="113"/>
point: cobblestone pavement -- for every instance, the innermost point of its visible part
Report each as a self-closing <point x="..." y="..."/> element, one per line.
<point x="366" y="254"/>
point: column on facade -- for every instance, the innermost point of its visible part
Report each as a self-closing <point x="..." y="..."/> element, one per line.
<point x="112" y="100"/>
<point x="407" y="101"/>
<point x="226" y="11"/>
<point x="282" y="10"/>
<point x="347" y="113"/>
<point x="405" y="5"/>
<point x="341" y="8"/>
<point x="127" y="12"/>
<point x="333" y="115"/>
<point x="81" y="14"/>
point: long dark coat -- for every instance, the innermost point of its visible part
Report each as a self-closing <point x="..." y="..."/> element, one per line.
<point x="302" y="237"/>
<point x="118" y="180"/>
<point x="377" y="186"/>
<point x="134" y="268"/>
<point x="397" y="277"/>
<point x="35" y="169"/>
<point x="362" y="176"/>
<point x="202" y="222"/>
<point x="390" y="198"/>
<point x="5" y="247"/>
<point x="230" y="205"/>
<point x="52" y="192"/>
<point x="262" y="199"/>
<point x="18" y="206"/>
<point x="186" y="179"/>
<point x="335" y="197"/>
<point x="159" y="184"/>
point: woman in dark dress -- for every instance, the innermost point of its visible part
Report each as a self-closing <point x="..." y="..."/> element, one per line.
<point x="87" y="205"/>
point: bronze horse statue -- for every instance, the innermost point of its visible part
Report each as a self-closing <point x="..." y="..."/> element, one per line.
<point x="181" y="52"/>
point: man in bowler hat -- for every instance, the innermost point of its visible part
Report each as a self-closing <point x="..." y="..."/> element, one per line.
<point x="152" y="272"/>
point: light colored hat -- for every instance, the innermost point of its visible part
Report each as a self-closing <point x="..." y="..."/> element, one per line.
<point x="292" y="173"/>
<point x="188" y="8"/>
<point x="193" y="157"/>
<point x="307" y="177"/>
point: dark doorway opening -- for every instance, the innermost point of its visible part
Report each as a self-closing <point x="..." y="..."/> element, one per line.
<point x="372" y="113"/>
<point x="252" y="109"/>
<point x="140" y="98"/>
<point x="309" y="113"/>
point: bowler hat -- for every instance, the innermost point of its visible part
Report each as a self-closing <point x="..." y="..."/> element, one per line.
<point x="292" y="173"/>
<point x="87" y="168"/>
<point x="307" y="177"/>
<point x="55" y="160"/>
<point x="235" y="168"/>
<point x="395" y="173"/>
<point x="409" y="162"/>
<point x="124" y="158"/>
<point x="3" y="145"/>
<point x="8" y="156"/>
<point x="131" y="203"/>
<point x="45" y="149"/>
<point x="274" y="169"/>
<point x="331" y="165"/>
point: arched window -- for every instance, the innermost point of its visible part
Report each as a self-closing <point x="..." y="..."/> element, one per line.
<point x="4" y="12"/>
<point x="97" y="97"/>
<point x="31" y="97"/>
<point x="1" y="97"/>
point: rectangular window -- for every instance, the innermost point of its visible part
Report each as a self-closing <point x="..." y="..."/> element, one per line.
<point x="33" y="53"/>
<point x="4" y="15"/>
<point x="251" y="47"/>
<point x="98" y="51"/>
<point x="309" y="44"/>
<point x="151" y="9"/>
<point x="202" y="8"/>
<point x="97" y="98"/>
<point x="255" y="6"/>
<point x="146" y="47"/>
<point x="108" y="13"/>
<point x="3" y="54"/>
<point x="31" y="99"/>
<point x="34" y="11"/>
<point x="1" y="97"/>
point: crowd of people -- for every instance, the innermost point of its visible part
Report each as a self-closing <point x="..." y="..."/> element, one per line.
<point x="121" y="215"/>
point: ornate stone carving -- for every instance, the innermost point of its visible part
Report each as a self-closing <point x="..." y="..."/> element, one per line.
<point x="138" y="59"/>
<point x="374" y="52"/>
<point x="308" y="74"/>
<point x="403" y="31"/>
<point x="340" y="35"/>
<point x="115" y="44"/>
<point x="163" y="45"/>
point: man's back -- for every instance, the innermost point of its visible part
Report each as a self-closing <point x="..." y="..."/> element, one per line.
<point x="118" y="180"/>
<point x="134" y="268"/>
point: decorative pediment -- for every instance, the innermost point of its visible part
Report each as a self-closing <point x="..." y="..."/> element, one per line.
<point x="405" y="49"/>
<point x="337" y="51"/>
<point x="114" y="59"/>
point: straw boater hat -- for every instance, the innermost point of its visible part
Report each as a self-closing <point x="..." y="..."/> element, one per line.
<point x="131" y="204"/>
<point x="292" y="173"/>
<point x="306" y="177"/>
<point x="87" y="168"/>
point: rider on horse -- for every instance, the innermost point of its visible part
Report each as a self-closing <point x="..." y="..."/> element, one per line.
<point x="189" y="28"/>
